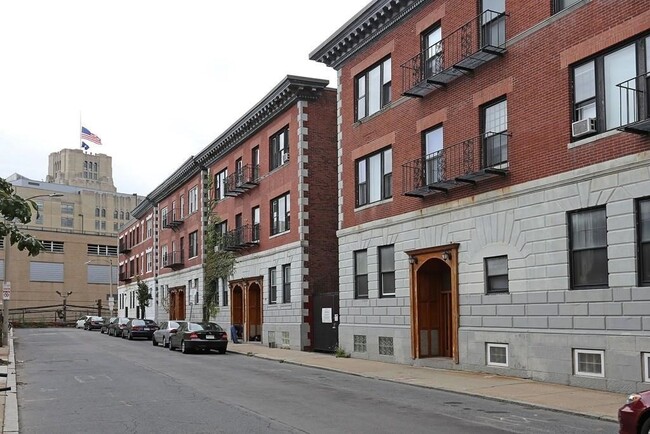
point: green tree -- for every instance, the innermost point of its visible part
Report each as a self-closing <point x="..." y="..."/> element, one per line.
<point x="143" y="295"/>
<point x="13" y="210"/>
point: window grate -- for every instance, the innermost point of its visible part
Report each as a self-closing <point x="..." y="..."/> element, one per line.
<point x="589" y="363"/>
<point x="53" y="246"/>
<point x="271" y="339"/>
<point x="360" y="344"/>
<point x="386" y="346"/>
<point x="285" y="339"/>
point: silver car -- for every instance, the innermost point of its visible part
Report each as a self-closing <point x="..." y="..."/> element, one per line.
<point x="161" y="336"/>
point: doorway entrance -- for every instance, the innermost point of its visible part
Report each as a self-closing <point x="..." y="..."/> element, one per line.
<point x="246" y="308"/>
<point x="177" y="303"/>
<point x="434" y="303"/>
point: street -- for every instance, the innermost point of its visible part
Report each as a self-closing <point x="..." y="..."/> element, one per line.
<point x="73" y="381"/>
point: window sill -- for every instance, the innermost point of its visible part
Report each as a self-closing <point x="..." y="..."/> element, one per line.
<point x="370" y="205"/>
<point x="374" y="115"/>
<point x="279" y="234"/>
<point x="591" y="139"/>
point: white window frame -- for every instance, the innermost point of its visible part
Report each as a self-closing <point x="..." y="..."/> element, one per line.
<point x="576" y="371"/>
<point x="193" y="200"/>
<point x="646" y="367"/>
<point x="488" y="346"/>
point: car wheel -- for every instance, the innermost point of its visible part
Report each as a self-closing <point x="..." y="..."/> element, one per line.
<point x="170" y="346"/>
<point x="153" y="341"/>
<point x="184" y="349"/>
<point x="645" y="429"/>
<point x="129" y="336"/>
<point x="165" y="343"/>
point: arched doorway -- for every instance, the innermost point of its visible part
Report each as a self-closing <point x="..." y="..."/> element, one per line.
<point x="254" y="324"/>
<point x="177" y="303"/>
<point x="434" y="302"/>
<point x="237" y="306"/>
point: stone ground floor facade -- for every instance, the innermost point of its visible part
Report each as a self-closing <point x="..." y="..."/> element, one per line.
<point x="542" y="327"/>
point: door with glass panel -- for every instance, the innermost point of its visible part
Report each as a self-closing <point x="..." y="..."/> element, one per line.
<point x="434" y="157"/>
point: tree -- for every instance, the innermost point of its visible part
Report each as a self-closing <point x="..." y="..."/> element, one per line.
<point x="143" y="295"/>
<point x="14" y="209"/>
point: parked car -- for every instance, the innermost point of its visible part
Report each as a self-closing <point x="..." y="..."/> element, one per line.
<point x="106" y="323"/>
<point x="81" y="322"/>
<point x="115" y="328"/>
<point x="161" y="336"/>
<point x="634" y="416"/>
<point x="203" y="336"/>
<point x="139" y="328"/>
<point x="94" y="323"/>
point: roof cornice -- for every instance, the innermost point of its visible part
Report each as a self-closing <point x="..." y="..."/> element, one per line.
<point x="363" y="28"/>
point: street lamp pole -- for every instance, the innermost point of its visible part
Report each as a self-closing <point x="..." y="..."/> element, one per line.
<point x="65" y="306"/>
<point x="5" y="303"/>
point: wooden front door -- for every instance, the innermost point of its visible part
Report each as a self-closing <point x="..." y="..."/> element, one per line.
<point x="254" y="324"/>
<point x="177" y="303"/>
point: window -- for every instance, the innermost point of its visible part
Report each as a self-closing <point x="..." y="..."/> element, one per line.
<point x="103" y="212"/>
<point x="433" y="156"/>
<point x="224" y="288"/>
<point x="360" y="345"/>
<point x="193" y="198"/>
<point x="596" y="94"/>
<point x="387" y="271"/>
<point x="588" y="248"/>
<point x="96" y="212"/>
<point x="149" y="227"/>
<point x="373" y="89"/>
<point x="496" y="274"/>
<point x="286" y="283"/>
<point x="493" y="23"/>
<point x="495" y="138"/>
<point x="67" y="222"/>
<point x="559" y="5"/>
<point x="220" y="184"/>
<point x="149" y="262"/>
<point x="280" y="214"/>
<point x="182" y="207"/>
<point x="386" y="346"/>
<point x="163" y="255"/>
<point x="67" y="208"/>
<point x="255" y="230"/>
<point x="643" y="233"/>
<point x="646" y="367"/>
<point x="497" y="354"/>
<point x="164" y="217"/>
<point x="375" y="177"/>
<point x="255" y="161"/>
<point x="115" y="214"/>
<point x="589" y="363"/>
<point x="52" y="246"/>
<point x="433" y="55"/>
<point x="239" y="172"/>
<point x="101" y="250"/>
<point x="103" y="225"/>
<point x="273" y="289"/>
<point x="361" y="274"/>
<point x="279" y="148"/>
<point x="193" y="244"/>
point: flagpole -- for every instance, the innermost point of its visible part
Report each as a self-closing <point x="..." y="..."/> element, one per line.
<point x="80" y="126"/>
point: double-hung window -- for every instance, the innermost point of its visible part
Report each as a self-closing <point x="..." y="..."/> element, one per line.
<point x="559" y="5"/>
<point x="387" y="271"/>
<point x="193" y="198"/>
<point x="643" y="233"/>
<point x="493" y="23"/>
<point x="279" y="148"/>
<point x="280" y="214"/>
<point x="361" y="274"/>
<point x="373" y="89"/>
<point x="433" y="156"/>
<point x="286" y="283"/>
<point x="375" y="177"/>
<point x="273" y="286"/>
<point x="588" y="248"/>
<point x="255" y="230"/>
<point x="496" y="274"/>
<point x="220" y="184"/>
<point x="432" y="49"/>
<point x="606" y="88"/>
<point x="193" y="244"/>
<point x="495" y="133"/>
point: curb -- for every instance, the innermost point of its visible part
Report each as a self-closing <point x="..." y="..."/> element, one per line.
<point x="460" y="392"/>
<point x="11" y="400"/>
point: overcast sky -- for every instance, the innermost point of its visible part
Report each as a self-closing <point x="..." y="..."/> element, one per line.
<point x="156" y="80"/>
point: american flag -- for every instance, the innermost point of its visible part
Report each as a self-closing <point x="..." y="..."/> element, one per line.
<point x="87" y="135"/>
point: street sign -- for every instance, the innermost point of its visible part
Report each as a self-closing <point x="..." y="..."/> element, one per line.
<point x="6" y="291"/>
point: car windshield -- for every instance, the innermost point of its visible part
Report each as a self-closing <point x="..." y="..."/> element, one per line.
<point x="205" y="326"/>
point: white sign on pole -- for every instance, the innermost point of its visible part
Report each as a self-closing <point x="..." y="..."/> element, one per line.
<point x="6" y="291"/>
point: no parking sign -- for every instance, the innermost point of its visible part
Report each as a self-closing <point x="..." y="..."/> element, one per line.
<point x="6" y="291"/>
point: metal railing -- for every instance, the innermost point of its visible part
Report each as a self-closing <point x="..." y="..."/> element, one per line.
<point x="240" y="238"/>
<point x="454" y="165"/>
<point x="242" y="180"/>
<point x="481" y="39"/>
<point x="632" y="98"/>
<point x="171" y="259"/>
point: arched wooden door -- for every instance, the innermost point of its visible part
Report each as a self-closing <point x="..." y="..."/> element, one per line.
<point x="237" y="307"/>
<point x="254" y="324"/>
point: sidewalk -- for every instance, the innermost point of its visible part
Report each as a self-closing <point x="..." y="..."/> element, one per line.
<point x="8" y="399"/>
<point x="576" y="400"/>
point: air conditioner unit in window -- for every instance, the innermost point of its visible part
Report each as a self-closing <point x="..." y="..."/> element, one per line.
<point x="583" y="126"/>
<point x="285" y="158"/>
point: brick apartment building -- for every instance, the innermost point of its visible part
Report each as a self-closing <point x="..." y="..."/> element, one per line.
<point x="494" y="187"/>
<point x="272" y="175"/>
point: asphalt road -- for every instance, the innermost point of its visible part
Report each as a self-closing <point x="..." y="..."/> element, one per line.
<point x="74" y="381"/>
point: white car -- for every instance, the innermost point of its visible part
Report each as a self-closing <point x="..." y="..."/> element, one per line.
<point x="81" y="322"/>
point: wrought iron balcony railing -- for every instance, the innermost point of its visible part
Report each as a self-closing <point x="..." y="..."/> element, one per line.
<point x="462" y="51"/>
<point x="125" y="246"/>
<point x="634" y="104"/>
<point x="242" y="180"/>
<point x="173" y="259"/>
<point x="125" y="277"/>
<point x="468" y="162"/>
<point x="173" y="219"/>
<point x="240" y="238"/>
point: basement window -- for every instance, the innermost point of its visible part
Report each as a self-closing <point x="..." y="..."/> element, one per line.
<point x="589" y="363"/>
<point x="497" y="354"/>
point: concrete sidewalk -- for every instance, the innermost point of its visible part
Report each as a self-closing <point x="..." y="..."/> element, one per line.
<point x="576" y="400"/>
<point x="8" y="399"/>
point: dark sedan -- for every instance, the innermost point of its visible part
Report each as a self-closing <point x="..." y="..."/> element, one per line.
<point x="139" y="328"/>
<point x="106" y="323"/>
<point x="94" y="323"/>
<point x="204" y="336"/>
<point x="634" y="416"/>
<point x="116" y="326"/>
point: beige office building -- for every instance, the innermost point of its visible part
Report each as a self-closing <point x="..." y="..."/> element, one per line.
<point x="79" y="215"/>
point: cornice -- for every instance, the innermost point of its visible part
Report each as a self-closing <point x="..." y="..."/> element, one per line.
<point x="363" y="28"/>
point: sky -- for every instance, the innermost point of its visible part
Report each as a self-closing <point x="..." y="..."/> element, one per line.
<point x="156" y="80"/>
